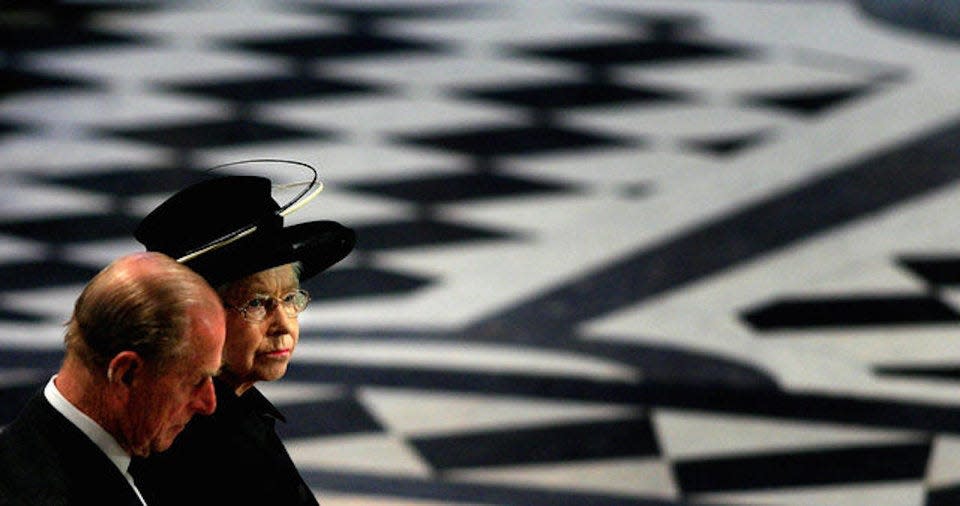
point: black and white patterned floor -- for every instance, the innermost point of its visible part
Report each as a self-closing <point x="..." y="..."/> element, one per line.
<point x="611" y="252"/>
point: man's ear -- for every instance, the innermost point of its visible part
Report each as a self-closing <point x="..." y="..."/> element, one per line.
<point x="124" y="367"/>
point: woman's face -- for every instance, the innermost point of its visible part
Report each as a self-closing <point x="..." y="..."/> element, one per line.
<point x="259" y="351"/>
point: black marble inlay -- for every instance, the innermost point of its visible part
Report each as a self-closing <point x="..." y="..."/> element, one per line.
<point x="632" y="52"/>
<point x="336" y="46"/>
<point x="126" y="182"/>
<point x="445" y="188"/>
<point x="408" y="234"/>
<point x="363" y="16"/>
<point x="44" y="25"/>
<point x="74" y="228"/>
<point x="522" y="140"/>
<point x="210" y="134"/>
<point x="811" y="102"/>
<point x="798" y="468"/>
<point x="760" y="401"/>
<point x="941" y="372"/>
<point x="571" y="95"/>
<point x="540" y="444"/>
<point x="267" y="89"/>
<point x="327" y="417"/>
<point x="943" y="496"/>
<point x="44" y="361"/>
<point x="937" y="271"/>
<point x="417" y="490"/>
<point x="348" y="282"/>
<point x="42" y="274"/>
<point x="849" y="311"/>
<point x="368" y="281"/>
<point x="8" y="128"/>
<point x="727" y="145"/>
<point x="16" y="316"/>
<point x="13" y="81"/>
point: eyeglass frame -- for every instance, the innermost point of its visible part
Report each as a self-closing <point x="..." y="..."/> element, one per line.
<point x="290" y="310"/>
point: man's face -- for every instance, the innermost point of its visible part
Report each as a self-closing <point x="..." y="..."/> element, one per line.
<point x="161" y="405"/>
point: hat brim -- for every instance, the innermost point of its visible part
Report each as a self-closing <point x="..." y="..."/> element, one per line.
<point x="317" y="245"/>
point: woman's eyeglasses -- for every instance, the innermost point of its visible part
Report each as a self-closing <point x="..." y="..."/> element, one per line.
<point x="260" y="305"/>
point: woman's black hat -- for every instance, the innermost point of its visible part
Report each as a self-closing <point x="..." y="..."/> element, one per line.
<point x="230" y="227"/>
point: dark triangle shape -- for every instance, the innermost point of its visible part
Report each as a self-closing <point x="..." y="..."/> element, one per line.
<point x="813" y="102"/>
<point x="937" y="271"/>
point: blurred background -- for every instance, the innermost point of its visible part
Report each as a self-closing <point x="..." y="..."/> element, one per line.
<point x="610" y="252"/>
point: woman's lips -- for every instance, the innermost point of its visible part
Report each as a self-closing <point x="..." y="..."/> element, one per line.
<point x="282" y="353"/>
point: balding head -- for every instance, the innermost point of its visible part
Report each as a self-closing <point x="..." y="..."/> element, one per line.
<point x="139" y="303"/>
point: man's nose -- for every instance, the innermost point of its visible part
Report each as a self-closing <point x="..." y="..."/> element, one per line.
<point x="206" y="401"/>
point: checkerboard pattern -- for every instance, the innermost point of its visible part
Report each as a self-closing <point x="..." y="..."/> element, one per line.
<point x="610" y="252"/>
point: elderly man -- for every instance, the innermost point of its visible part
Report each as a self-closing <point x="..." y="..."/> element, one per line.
<point x="142" y="346"/>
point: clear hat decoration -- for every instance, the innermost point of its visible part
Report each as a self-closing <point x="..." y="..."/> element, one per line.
<point x="293" y="185"/>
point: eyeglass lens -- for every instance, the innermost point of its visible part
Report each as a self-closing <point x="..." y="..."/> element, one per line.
<point x="259" y="306"/>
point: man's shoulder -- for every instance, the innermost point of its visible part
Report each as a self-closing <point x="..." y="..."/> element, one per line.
<point x="29" y="474"/>
<point x="24" y="431"/>
<point x="40" y="447"/>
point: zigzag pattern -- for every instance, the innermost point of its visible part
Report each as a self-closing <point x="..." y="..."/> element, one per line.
<point x="618" y="253"/>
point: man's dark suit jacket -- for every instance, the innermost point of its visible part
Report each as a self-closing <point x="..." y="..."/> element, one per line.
<point x="45" y="460"/>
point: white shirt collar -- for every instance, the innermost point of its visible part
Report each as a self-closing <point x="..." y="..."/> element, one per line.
<point x="94" y="431"/>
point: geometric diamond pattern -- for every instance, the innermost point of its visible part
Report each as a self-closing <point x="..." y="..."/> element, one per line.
<point x="608" y="252"/>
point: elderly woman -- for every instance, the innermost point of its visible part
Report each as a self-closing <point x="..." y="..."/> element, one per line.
<point x="230" y="230"/>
